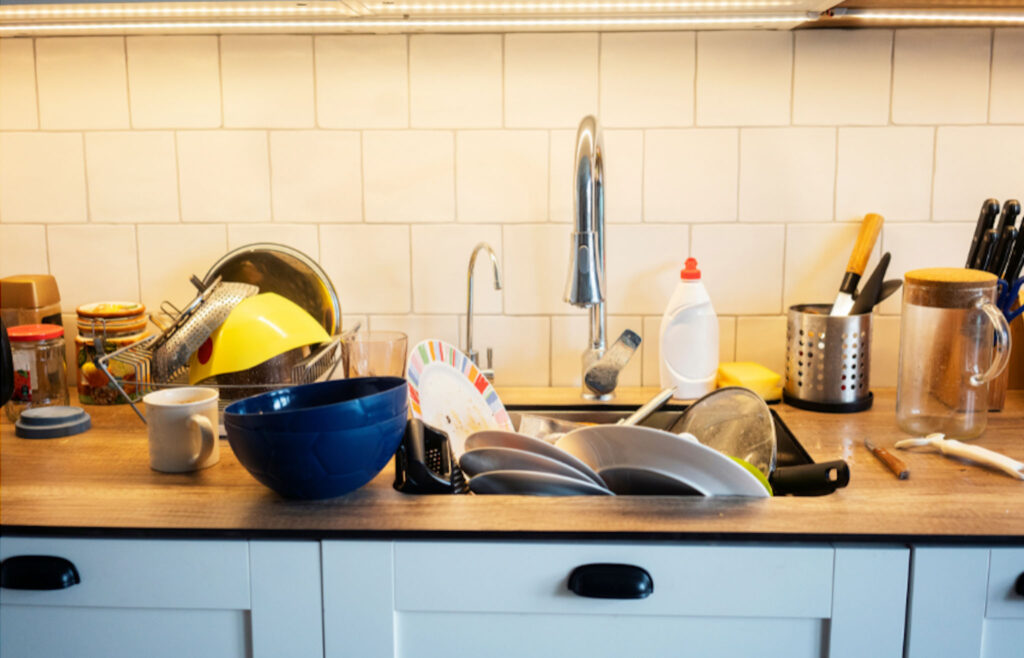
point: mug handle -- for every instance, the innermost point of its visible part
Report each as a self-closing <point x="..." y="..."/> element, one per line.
<point x="208" y="438"/>
<point x="1002" y="356"/>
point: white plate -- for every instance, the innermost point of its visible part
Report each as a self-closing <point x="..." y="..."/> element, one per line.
<point x="501" y="439"/>
<point x="483" y="460"/>
<point x="447" y="391"/>
<point x="705" y="469"/>
<point x="532" y="483"/>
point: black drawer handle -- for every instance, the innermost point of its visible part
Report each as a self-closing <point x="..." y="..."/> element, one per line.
<point x="1019" y="585"/>
<point x="38" y="572"/>
<point x="611" y="581"/>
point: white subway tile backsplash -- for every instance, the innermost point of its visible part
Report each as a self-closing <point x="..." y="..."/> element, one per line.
<point x="643" y="263"/>
<point x="762" y="340"/>
<point x="501" y="176"/>
<point x="304" y="237"/>
<point x="316" y="176"/>
<point x="741" y="266"/>
<point x="132" y="176"/>
<point x="560" y="175"/>
<point x="409" y="176"/>
<point x="787" y="174"/>
<point x="550" y="79"/>
<point x="368" y="265"/>
<point x="842" y="77"/>
<point x="82" y="83"/>
<point x="690" y="175"/>
<point x="647" y="79"/>
<point x="42" y="177"/>
<point x="438" y="142"/>
<point x="744" y="78"/>
<point x="1008" y="76"/>
<point x="534" y="269"/>
<point x="171" y="253"/>
<point x="18" y="110"/>
<point x="522" y="348"/>
<point x="267" y="80"/>
<point x="93" y="262"/>
<point x="624" y="170"/>
<point x="23" y="249"/>
<point x="455" y="80"/>
<point x="973" y="164"/>
<point x="224" y="176"/>
<point x="440" y="258"/>
<point x="571" y="334"/>
<point x="929" y="244"/>
<point x="816" y="258"/>
<point x="362" y="81"/>
<point x="941" y="75"/>
<point x="885" y="170"/>
<point x="420" y="327"/>
<point x="652" y="346"/>
<point x="174" y="81"/>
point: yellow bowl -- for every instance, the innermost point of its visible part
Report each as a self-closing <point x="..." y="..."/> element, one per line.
<point x="258" y="329"/>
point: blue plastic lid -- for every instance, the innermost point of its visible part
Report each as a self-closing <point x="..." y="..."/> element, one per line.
<point x="51" y="422"/>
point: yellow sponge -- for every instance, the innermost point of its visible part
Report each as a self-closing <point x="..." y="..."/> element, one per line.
<point x="752" y="375"/>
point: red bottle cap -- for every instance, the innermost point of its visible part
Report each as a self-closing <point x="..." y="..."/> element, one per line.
<point x="690" y="272"/>
<point x="28" y="332"/>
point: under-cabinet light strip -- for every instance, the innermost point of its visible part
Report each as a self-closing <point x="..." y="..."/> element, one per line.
<point x="567" y="7"/>
<point x="406" y="25"/>
<point x="938" y="16"/>
<point x="162" y="11"/>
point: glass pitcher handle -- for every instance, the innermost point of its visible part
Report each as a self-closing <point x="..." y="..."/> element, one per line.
<point x="1002" y="355"/>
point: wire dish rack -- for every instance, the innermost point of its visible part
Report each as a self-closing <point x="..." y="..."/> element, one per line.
<point x="161" y="361"/>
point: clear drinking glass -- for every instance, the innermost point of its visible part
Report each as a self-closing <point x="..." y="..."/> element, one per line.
<point x="953" y="342"/>
<point x="376" y="354"/>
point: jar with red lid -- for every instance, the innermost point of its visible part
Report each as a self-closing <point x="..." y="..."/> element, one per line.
<point x="40" y="370"/>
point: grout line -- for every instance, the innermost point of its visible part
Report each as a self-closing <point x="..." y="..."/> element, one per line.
<point x="696" y="68"/>
<point x="220" y="77"/>
<point x="935" y="169"/>
<point x="892" y="77"/>
<point x="35" y="81"/>
<point x="177" y="173"/>
<point x="408" y="81"/>
<point x="127" y="84"/>
<point x="835" y="178"/>
<point x="316" y="95"/>
<point x="362" y="176"/>
<point x="85" y="181"/>
<point x="270" y="179"/>
<point x="792" y="78"/>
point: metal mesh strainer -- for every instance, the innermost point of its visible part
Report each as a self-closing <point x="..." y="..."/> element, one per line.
<point x="171" y="351"/>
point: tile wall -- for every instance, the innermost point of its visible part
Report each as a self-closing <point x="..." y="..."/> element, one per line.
<point x="126" y="164"/>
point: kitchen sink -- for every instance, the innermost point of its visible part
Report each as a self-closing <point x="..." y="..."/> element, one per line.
<point x="808" y="478"/>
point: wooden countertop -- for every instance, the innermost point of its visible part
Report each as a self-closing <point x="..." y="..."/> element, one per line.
<point x="100" y="483"/>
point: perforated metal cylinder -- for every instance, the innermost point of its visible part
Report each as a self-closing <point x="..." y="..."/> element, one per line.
<point x="828" y="359"/>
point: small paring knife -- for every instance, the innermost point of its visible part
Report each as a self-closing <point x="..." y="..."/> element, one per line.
<point x="869" y="230"/>
<point x="891" y="462"/>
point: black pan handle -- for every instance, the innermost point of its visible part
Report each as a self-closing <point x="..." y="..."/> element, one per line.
<point x="810" y="479"/>
<point x="38" y="572"/>
<point x="611" y="581"/>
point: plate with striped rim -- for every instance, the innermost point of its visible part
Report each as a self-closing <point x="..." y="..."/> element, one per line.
<point x="447" y="391"/>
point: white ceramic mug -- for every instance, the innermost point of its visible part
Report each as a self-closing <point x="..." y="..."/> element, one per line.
<point x="182" y="429"/>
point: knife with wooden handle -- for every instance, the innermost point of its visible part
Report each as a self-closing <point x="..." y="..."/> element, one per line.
<point x="869" y="230"/>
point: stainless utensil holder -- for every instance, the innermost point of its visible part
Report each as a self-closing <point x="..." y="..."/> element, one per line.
<point x="828" y="360"/>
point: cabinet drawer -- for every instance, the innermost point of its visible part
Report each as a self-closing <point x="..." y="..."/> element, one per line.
<point x="1006" y="565"/>
<point x="690" y="580"/>
<point x="140" y="573"/>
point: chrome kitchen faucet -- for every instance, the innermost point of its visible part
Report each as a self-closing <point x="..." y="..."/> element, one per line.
<point x="470" y="352"/>
<point x="585" y="285"/>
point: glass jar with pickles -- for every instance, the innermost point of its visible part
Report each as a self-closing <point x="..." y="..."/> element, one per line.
<point x="105" y="327"/>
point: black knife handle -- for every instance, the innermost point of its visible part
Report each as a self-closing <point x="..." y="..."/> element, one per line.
<point x="988" y="245"/>
<point x="1001" y="253"/>
<point x="611" y="581"/>
<point x="989" y="211"/>
<point x="1009" y="215"/>
<point x="38" y="572"/>
<point x="1015" y="263"/>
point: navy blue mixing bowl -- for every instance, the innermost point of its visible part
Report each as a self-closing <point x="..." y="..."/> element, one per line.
<point x="319" y="440"/>
<point x="332" y="405"/>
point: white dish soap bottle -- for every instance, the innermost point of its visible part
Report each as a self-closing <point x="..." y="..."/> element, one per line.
<point x="689" y="337"/>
